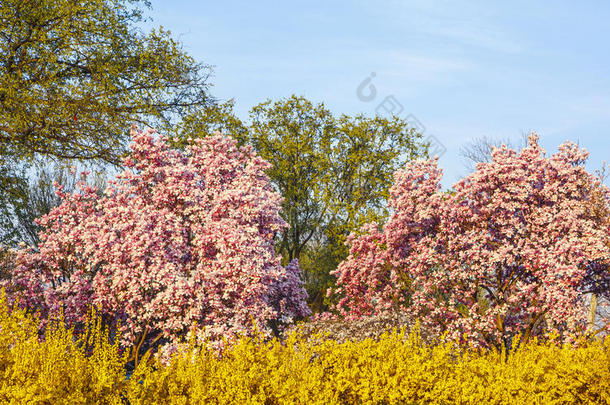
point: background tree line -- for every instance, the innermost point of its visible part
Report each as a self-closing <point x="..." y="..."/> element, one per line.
<point x="75" y="75"/>
<point x="334" y="172"/>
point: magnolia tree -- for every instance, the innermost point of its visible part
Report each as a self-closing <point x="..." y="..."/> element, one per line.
<point x="512" y="251"/>
<point x="180" y="238"/>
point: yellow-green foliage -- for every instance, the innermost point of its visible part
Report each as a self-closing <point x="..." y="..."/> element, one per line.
<point x="395" y="369"/>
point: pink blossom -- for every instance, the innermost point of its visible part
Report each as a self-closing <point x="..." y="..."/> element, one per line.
<point x="180" y="238"/>
<point x="512" y="250"/>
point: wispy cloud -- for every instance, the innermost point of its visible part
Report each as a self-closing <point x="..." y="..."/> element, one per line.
<point x="458" y="23"/>
<point x="402" y="64"/>
<point x="592" y="106"/>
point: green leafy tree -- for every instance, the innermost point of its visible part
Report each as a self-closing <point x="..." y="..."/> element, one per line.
<point x="13" y="182"/>
<point x="333" y="172"/>
<point x="75" y="74"/>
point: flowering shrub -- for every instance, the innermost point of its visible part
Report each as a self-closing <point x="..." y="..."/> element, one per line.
<point x="60" y="368"/>
<point x="341" y="330"/>
<point x="394" y="369"/>
<point x="511" y="251"/>
<point x="181" y="237"/>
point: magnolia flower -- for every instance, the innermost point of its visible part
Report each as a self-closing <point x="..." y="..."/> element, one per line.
<point x="508" y="252"/>
<point x="151" y="256"/>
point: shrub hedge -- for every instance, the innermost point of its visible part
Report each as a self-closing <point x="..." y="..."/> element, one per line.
<point x="395" y="368"/>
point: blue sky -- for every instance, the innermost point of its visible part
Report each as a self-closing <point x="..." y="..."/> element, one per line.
<point x="463" y="69"/>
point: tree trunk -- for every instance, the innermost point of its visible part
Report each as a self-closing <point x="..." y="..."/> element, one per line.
<point x="592" y="312"/>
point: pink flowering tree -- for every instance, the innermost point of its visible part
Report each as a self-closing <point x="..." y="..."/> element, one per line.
<point x="512" y="251"/>
<point x="180" y="238"/>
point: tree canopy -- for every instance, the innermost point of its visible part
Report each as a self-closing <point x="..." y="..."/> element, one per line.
<point x="334" y="172"/>
<point x="75" y="74"/>
<point x="181" y="238"/>
<point x="512" y="252"/>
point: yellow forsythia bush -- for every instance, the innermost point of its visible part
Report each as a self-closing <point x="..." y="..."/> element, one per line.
<point x="394" y="369"/>
<point x="56" y="370"/>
